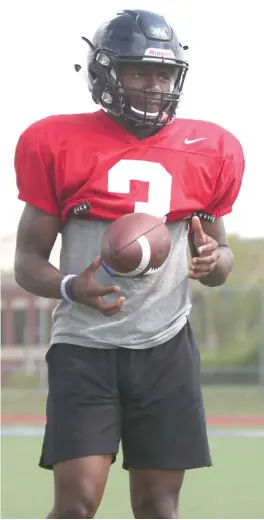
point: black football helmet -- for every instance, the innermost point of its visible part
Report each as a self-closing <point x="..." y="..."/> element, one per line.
<point x="134" y="37"/>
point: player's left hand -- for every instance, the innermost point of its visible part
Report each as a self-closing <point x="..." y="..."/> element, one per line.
<point x="207" y="249"/>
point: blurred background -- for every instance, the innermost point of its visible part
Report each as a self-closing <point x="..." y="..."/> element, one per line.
<point x="225" y="85"/>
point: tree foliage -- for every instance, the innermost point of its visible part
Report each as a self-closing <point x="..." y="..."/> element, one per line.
<point x="227" y="320"/>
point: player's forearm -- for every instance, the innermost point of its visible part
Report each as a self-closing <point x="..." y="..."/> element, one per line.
<point x="222" y="269"/>
<point x="36" y="275"/>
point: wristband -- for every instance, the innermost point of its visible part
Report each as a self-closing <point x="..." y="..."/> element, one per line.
<point x="66" y="291"/>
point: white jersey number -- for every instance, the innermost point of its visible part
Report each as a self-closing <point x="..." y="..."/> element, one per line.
<point x="159" y="179"/>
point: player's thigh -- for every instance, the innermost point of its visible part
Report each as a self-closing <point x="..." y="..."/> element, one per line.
<point x="163" y="418"/>
<point x="83" y="417"/>
<point x="79" y="486"/>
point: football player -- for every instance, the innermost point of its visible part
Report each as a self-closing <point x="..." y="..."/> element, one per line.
<point x="122" y="363"/>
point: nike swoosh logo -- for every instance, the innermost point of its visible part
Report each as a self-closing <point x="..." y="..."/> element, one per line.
<point x="191" y="141"/>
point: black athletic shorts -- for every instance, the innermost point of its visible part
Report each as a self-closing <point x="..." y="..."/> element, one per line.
<point x="149" y="399"/>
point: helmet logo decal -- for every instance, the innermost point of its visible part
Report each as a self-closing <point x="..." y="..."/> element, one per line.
<point x="159" y="53"/>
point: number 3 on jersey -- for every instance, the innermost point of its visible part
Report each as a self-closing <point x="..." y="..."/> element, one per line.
<point x="159" y="179"/>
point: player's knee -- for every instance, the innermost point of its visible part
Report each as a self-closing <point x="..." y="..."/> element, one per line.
<point x="85" y="508"/>
<point x="156" y="507"/>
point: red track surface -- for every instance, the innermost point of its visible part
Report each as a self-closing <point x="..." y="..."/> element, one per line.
<point x="211" y="421"/>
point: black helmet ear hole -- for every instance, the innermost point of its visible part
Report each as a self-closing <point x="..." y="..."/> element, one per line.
<point x="93" y="75"/>
<point x="98" y="78"/>
<point x="96" y="89"/>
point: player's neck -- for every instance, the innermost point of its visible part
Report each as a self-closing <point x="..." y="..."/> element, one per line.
<point x="140" y="131"/>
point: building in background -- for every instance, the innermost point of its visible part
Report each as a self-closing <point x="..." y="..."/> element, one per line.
<point x="25" y="318"/>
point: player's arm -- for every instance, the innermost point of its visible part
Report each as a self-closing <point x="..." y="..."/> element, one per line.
<point x="212" y="259"/>
<point x="40" y="221"/>
<point x="36" y="235"/>
<point x="37" y="232"/>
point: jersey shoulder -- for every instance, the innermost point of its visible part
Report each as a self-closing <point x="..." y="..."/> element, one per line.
<point x="226" y="141"/>
<point x="206" y="137"/>
<point x="56" y="128"/>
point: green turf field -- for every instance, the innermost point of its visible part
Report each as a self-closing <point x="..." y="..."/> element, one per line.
<point x="233" y="488"/>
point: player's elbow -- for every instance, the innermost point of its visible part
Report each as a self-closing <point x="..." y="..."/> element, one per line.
<point x="19" y="269"/>
<point x="24" y="268"/>
<point x="214" y="279"/>
<point x="222" y="269"/>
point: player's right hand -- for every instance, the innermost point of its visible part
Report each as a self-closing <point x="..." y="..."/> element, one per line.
<point x="88" y="292"/>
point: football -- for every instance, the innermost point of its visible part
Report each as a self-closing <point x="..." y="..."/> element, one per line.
<point x="135" y="244"/>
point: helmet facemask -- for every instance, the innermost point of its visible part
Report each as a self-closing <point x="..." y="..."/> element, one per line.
<point x="121" y="101"/>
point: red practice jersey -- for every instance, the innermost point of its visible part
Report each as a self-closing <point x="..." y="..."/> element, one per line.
<point x="189" y="166"/>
